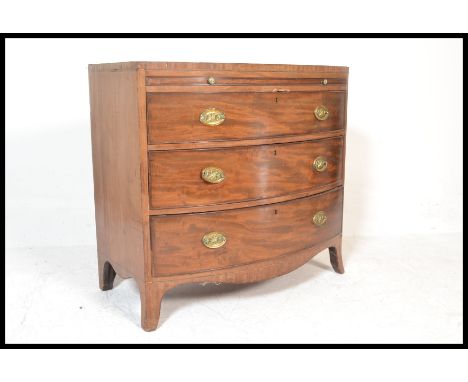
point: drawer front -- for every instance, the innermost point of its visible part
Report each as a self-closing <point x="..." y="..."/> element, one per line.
<point x="175" y="117"/>
<point x="244" y="79"/>
<point x="223" y="80"/>
<point x="191" y="243"/>
<point x="179" y="178"/>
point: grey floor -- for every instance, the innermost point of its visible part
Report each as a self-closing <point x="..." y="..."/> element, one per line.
<point x="395" y="290"/>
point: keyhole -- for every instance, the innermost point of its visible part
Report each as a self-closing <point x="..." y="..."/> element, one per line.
<point x="276" y="99"/>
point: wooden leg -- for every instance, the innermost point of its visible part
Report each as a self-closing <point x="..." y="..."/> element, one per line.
<point x="335" y="256"/>
<point x="106" y="275"/>
<point x="151" y="295"/>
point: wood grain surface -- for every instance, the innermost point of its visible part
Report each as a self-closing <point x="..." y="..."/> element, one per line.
<point x="174" y="117"/>
<point x="203" y="89"/>
<point x="253" y="234"/>
<point x="251" y="173"/>
<point x="180" y="67"/>
<point x="226" y="79"/>
<point x="117" y="177"/>
<point x="247" y="142"/>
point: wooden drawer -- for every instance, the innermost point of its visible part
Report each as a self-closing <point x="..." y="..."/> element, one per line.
<point x="250" y="173"/>
<point x="251" y="234"/>
<point x="244" y="79"/>
<point x="175" y="117"/>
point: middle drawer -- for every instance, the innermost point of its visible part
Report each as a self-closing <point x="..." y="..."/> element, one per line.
<point x="189" y="178"/>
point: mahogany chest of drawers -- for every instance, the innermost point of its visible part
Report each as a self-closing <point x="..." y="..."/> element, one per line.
<point x="206" y="172"/>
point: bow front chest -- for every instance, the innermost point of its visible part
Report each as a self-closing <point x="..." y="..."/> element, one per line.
<point x="204" y="172"/>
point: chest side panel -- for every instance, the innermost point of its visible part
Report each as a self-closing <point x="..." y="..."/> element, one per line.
<point x="116" y="169"/>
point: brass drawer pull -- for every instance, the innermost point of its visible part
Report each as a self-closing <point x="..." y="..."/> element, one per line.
<point x="320" y="164"/>
<point x="214" y="240"/>
<point x="211" y="80"/>
<point x="320" y="218"/>
<point x="321" y="113"/>
<point x="212" y="175"/>
<point x="212" y="117"/>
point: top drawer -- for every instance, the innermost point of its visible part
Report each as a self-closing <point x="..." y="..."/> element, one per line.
<point x="204" y="117"/>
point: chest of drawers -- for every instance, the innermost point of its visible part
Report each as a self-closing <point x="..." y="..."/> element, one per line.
<point x="226" y="173"/>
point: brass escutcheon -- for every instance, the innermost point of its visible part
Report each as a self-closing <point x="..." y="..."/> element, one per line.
<point x="321" y="113"/>
<point x="211" y="80"/>
<point x="212" y="175"/>
<point x="320" y="164"/>
<point x="320" y="218"/>
<point x="214" y="240"/>
<point x="212" y="117"/>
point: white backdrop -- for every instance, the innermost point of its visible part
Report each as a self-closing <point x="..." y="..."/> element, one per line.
<point x="404" y="148"/>
<point x="206" y="16"/>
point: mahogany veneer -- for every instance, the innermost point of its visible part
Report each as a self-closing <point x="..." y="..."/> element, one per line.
<point x="251" y="172"/>
<point x="215" y="172"/>
<point x="249" y="114"/>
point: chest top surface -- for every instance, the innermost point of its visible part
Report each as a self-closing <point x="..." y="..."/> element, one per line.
<point x="242" y="67"/>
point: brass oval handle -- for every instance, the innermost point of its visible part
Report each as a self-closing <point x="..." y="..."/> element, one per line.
<point x="320" y="164"/>
<point x="321" y="113"/>
<point x="212" y="175"/>
<point x="211" y="80"/>
<point x="212" y="117"/>
<point x="214" y="240"/>
<point x="319" y="218"/>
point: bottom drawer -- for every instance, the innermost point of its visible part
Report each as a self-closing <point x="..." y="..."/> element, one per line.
<point x="190" y="243"/>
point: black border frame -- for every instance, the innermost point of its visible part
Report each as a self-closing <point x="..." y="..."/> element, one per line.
<point x="5" y="36"/>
